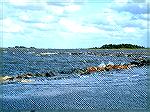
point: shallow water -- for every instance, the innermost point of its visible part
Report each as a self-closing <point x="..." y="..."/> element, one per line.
<point x="122" y="89"/>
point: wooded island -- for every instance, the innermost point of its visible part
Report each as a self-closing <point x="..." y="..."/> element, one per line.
<point x="119" y="46"/>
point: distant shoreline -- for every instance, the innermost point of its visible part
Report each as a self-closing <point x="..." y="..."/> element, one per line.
<point x="80" y="48"/>
<point x="119" y="46"/>
<point x="120" y="49"/>
<point x="104" y="47"/>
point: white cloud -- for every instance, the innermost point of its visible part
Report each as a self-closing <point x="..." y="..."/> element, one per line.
<point x="25" y="2"/>
<point x="72" y="8"/>
<point x="79" y="21"/>
<point x="47" y="18"/>
<point x="121" y="2"/>
<point x="24" y="17"/>
<point x="143" y="23"/>
<point x="9" y="25"/>
<point x="59" y="10"/>
<point x="129" y="29"/>
<point x="75" y="27"/>
<point x="110" y="17"/>
<point x="19" y="2"/>
<point x="145" y="15"/>
<point x="140" y="23"/>
<point x="56" y="10"/>
<point x="147" y="1"/>
<point x="127" y="33"/>
<point x="118" y="18"/>
<point x="41" y="25"/>
<point x="36" y="17"/>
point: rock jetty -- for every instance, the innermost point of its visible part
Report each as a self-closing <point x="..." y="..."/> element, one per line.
<point x="136" y="63"/>
<point x="24" y="78"/>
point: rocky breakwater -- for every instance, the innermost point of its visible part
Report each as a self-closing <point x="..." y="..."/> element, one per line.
<point x="110" y="66"/>
<point x="28" y="77"/>
<point x="23" y="78"/>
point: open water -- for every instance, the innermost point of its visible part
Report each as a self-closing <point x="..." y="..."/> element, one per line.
<point x="117" y="90"/>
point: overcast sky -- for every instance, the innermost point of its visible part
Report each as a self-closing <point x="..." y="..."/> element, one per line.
<point x="73" y="23"/>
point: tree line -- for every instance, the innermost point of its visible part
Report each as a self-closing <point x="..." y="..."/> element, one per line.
<point x="119" y="46"/>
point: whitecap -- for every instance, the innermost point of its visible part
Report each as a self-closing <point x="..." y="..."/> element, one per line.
<point x="102" y="64"/>
<point x="122" y="63"/>
<point x="110" y="63"/>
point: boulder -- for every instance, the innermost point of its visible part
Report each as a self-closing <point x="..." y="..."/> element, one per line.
<point x="6" y="78"/>
<point x="82" y="71"/>
<point x="141" y="62"/>
<point x="27" y="76"/>
<point x="19" y="77"/>
<point x="145" y="62"/>
<point x="92" y="69"/>
<point x="135" y="63"/>
<point x="109" y="67"/>
<point x="49" y="74"/>
<point x="100" y="69"/>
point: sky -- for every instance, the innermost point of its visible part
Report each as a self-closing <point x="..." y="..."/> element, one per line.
<point x="67" y="24"/>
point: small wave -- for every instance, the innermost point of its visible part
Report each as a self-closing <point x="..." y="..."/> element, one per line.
<point x="48" y="53"/>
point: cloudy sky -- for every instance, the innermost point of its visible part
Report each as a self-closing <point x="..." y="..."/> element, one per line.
<point x="73" y="23"/>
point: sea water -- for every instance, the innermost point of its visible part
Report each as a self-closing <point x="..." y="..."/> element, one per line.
<point x="108" y="90"/>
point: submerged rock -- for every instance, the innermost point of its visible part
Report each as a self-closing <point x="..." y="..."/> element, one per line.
<point x="49" y="74"/>
<point x="7" y="78"/>
<point x="100" y="69"/>
<point x="141" y="62"/>
<point x="146" y="61"/>
<point x="82" y="71"/>
<point x="24" y="76"/>
<point x="4" y="79"/>
<point x="67" y="71"/>
<point x="108" y="67"/>
<point x="28" y="75"/>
